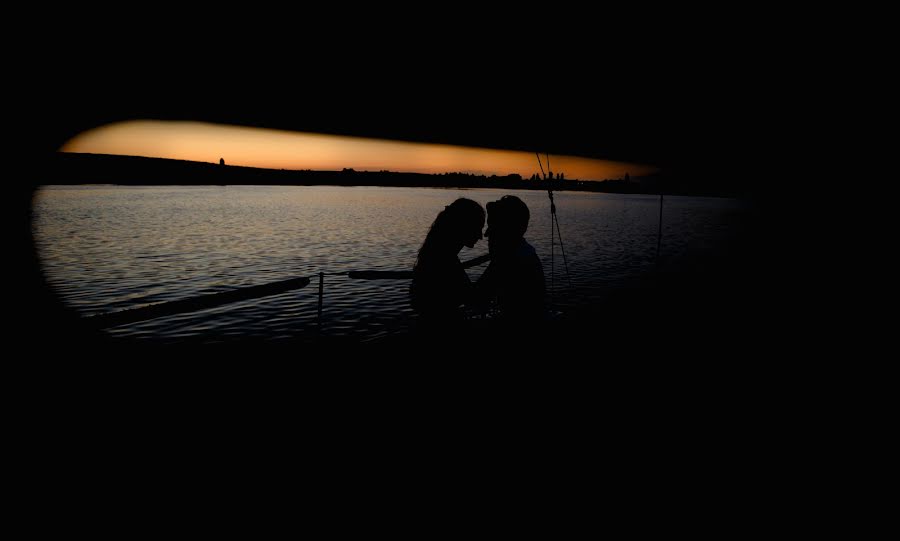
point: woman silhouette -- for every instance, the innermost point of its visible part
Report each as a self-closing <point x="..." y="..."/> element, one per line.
<point x="440" y="284"/>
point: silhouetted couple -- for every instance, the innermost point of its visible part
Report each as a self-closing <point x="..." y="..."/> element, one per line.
<point x="514" y="280"/>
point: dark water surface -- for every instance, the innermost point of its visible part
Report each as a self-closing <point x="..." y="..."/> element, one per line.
<point x="108" y="248"/>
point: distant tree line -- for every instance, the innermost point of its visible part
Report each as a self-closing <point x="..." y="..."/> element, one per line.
<point x="78" y="168"/>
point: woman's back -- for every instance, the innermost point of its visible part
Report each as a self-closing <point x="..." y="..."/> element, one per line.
<point x="440" y="286"/>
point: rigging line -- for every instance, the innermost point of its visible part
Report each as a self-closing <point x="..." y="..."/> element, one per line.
<point x="542" y="165"/>
<point x="552" y="215"/>
<point x="552" y="244"/>
<point x="554" y="222"/>
<point x="563" y="247"/>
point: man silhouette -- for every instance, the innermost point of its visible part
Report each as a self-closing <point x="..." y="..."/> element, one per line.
<point x="515" y="276"/>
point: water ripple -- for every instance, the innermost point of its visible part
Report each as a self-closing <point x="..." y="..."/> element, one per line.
<point x="109" y="248"/>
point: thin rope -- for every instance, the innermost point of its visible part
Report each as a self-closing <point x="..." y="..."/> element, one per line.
<point x="563" y="247"/>
<point x="552" y="251"/>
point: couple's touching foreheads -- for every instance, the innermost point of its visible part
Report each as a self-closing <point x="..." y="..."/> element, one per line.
<point x="512" y="285"/>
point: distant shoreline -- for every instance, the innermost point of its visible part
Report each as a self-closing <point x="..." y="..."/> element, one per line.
<point x="68" y="168"/>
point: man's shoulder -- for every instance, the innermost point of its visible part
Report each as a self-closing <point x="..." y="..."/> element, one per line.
<point x="526" y="250"/>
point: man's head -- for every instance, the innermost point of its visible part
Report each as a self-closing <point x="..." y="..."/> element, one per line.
<point x="507" y="220"/>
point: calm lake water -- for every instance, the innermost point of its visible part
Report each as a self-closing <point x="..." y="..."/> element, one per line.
<point x="109" y="248"/>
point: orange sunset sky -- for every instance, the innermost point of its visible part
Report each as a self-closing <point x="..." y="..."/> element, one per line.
<point x="258" y="147"/>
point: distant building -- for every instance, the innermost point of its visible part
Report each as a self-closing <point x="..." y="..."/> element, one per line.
<point x="221" y="161"/>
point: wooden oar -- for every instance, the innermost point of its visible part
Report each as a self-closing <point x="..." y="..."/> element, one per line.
<point x="408" y="274"/>
<point x="211" y="300"/>
<point x="477" y="261"/>
<point x="381" y="275"/>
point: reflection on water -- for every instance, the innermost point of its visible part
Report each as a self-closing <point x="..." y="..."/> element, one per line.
<point x="107" y="248"/>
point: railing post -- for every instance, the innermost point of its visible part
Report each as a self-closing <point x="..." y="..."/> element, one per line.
<point x="321" y="285"/>
<point x="659" y="234"/>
